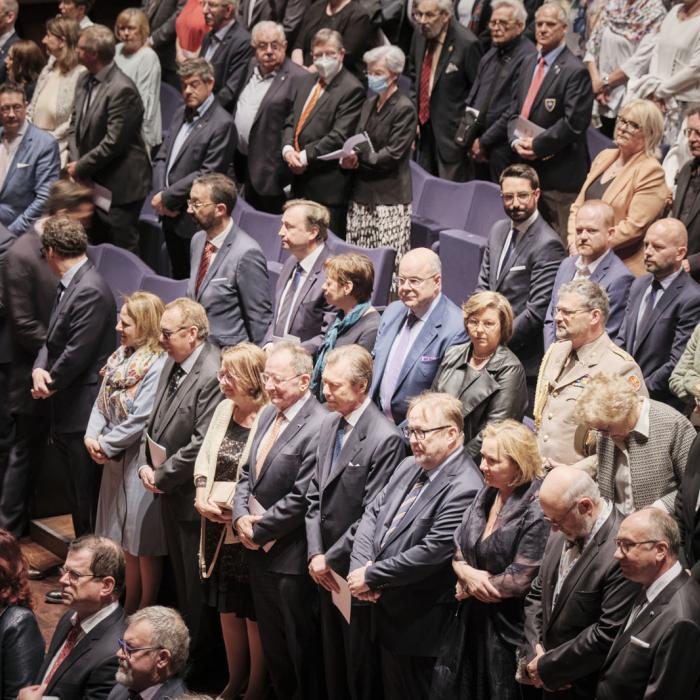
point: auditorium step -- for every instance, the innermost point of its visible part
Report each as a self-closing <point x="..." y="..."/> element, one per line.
<point x="53" y="534"/>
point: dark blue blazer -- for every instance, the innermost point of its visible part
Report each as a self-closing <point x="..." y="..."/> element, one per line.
<point x="611" y="274"/>
<point x="444" y="328"/>
<point x="658" y="347"/>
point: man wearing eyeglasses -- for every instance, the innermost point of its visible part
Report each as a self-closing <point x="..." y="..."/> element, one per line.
<point x="269" y="508"/>
<point x="579" y="599"/>
<point x="405" y="541"/>
<point x="80" y="662"/>
<point x="414" y="334"/>
<point x="686" y="203"/>
<point x="521" y="262"/>
<point x="655" y="653"/>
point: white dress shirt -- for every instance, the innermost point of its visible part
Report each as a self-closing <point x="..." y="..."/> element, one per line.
<point x="306" y="266"/>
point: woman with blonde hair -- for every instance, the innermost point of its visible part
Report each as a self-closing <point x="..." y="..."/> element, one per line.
<point x="126" y="512"/>
<point x="630" y="179"/>
<point x="499" y="548"/>
<point x="52" y="103"/>
<point x="221" y="559"/>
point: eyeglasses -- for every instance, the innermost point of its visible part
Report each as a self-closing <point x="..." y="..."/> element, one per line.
<point x="625" y="546"/>
<point x="412" y="282"/>
<point x="520" y="196"/>
<point x="274" y="45"/>
<point x="692" y="132"/>
<point x="324" y="54"/>
<point x="169" y="334"/>
<point x="198" y="205"/>
<point x="568" y="313"/>
<point x="129" y="651"/>
<point x="225" y="376"/>
<point x="75" y="576"/>
<point x="474" y="324"/>
<point x="499" y="23"/>
<point x="6" y="109"/>
<point x="276" y="381"/>
<point x="628" y="125"/>
<point x="420" y="433"/>
<point x="559" y="521"/>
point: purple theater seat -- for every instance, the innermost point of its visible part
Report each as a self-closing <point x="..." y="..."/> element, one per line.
<point x="460" y="254"/>
<point x="382" y="259"/>
<point x="486" y="208"/>
<point x="241" y="207"/>
<point x="170" y="100"/>
<point x="264" y="228"/>
<point x="597" y="142"/>
<point x="94" y="252"/>
<point x="121" y="270"/>
<point x="418" y="179"/>
<point x="167" y="289"/>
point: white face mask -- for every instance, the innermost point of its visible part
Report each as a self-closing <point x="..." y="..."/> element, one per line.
<point x="327" y="67"/>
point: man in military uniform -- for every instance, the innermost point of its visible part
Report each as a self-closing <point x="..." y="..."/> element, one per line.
<point x="583" y="349"/>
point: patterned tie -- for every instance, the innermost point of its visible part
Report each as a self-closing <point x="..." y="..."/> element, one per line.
<point x="339" y="437"/>
<point x="393" y="368"/>
<point x="286" y="308"/>
<point x="209" y="250"/>
<point x="68" y="646"/>
<point x="174" y="381"/>
<point x="267" y="443"/>
<point x="583" y="272"/>
<point x="424" y="87"/>
<point x="406" y="504"/>
<point x="534" y="89"/>
<point x="308" y="108"/>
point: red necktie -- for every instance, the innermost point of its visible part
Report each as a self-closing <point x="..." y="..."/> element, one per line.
<point x="534" y="89"/>
<point x="424" y="87"/>
<point x="209" y="250"/>
<point x="68" y="646"/>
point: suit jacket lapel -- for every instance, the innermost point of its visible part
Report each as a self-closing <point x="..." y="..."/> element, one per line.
<point x="306" y="286"/>
<point x="70" y="290"/>
<point x="323" y="97"/>
<point x="266" y="420"/>
<point x="277" y="83"/>
<point x="389" y="336"/>
<point x="666" y="298"/>
<point x="426" y="336"/>
<point x="519" y="249"/>
<point x="351" y="447"/>
<point x="498" y="245"/>
<point x="24" y="146"/>
<point x="445" y="55"/>
<point x="603" y="266"/>
<point x="221" y="255"/>
<point x="631" y="342"/>
<point x="199" y="124"/>
<point x="552" y="75"/>
<point x="681" y="188"/>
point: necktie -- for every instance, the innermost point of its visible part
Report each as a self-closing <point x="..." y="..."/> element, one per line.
<point x="393" y="368"/>
<point x="649" y="308"/>
<point x="190" y="114"/>
<point x="267" y="443"/>
<point x="280" y="328"/>
<point x="209" y="250"/>
<point x="133" y="695"/>
<point x="89" y="88"/>
<point x="174" y="381"/>
<point x="308" y="108"/>
<point x="68" y="646"/>
<point x="408" y="501"/>
<point x="339" y="437"/>
<point x="584" y="271"/>
<point x="639" y="604"/>
<point x="512" y="241"/>
<point x="534" y="88"/>
<point x="59" y="293"/>
<point x="426" y="70"/>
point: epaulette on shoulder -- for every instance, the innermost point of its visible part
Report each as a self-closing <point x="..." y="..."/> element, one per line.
<point x="617" y="350"/>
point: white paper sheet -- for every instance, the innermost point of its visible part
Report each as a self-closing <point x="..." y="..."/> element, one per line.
<point x="102" y="197"/>
<point x="525" y="129"/>
<point x="255" y="508"/>
<point x="343" y="599"/>
<point x="157" y="452"/>
<point x="347" y="148"/>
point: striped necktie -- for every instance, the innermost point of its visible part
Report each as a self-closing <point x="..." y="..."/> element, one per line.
<point x="406" y="504"/>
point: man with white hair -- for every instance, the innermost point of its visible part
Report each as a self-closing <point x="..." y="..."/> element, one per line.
<point x="580" y="598"/>
<point x="152" y="656"/>
<point x="414" y="333"/>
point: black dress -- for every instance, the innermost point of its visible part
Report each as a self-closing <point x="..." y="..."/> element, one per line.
<point x="228" y="587"/>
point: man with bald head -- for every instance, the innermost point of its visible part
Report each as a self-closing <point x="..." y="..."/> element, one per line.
<point x="580" y="598"/>
<point x="655" y="653"/>
<point x="663" y="309"/>
<point x="414" y="334"/>
<point x="593" y="259"/>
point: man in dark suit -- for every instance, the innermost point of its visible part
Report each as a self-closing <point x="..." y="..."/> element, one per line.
<point x="266" y="98"/>
<point x="156" y="675"/>
<point x="358" y="455"/>
<point x="596" y="261"/>
<point x="405" y="541"/>
<point x="686" y="510"/>
<point x="686" y="203"/>
<point x="326" y="108"/>
<point x="521" y="262"/>
<point x="288" y="13"/>
<point x="442" y="65"/>
<point x="227" y="47"/>
<point x="106" y="145"/>
<point x="29" y="291"/>
<point x="80" y="662"/>
<point x="414" y="333"/>
<point x="300" y="308"/>
<point x="79" y="338"/>
<point x="554" y="93"/>
<point x="228" y="271"/>
<point x="268" y="513"/>
<point x="490" y="95"/>
<point x="161" y="16"/>
<point x="201" y="140"/>
<point x="655" y="652"/>
<point x="9" y="9"/>
<point x="580" y="599"/>
<point x="186" y="397"/>
<point x="6" y="433"/>
<point x="663" y="309"/>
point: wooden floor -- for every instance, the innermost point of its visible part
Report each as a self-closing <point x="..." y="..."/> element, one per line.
<point x="47" y="614"/>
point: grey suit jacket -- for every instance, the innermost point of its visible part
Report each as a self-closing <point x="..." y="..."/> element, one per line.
<point x="412" y="567"/>
<point x="657" y="464"/>
<point x="235" y="291"/>
<point x="526" y="282"/>
<point x="208" y="148"/>
<point x="311" y="315"/>
<point x="180" y="424"/>
<point x="692" y="221"/>
<point x="289" y="13"/>
<point x="106" y="141"/>
<point x="593" y="603"/>
<point x="340" y="492"/>
<point x="173" y="688"/>
<point x="281" y="487"/>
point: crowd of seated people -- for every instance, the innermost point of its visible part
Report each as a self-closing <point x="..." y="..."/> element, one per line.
<point x="284" y="484"/>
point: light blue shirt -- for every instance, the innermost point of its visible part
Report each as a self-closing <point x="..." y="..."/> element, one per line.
<point x="549" y="59"/>
<point x="184" y="132"/>
<point x="67" y="277"/>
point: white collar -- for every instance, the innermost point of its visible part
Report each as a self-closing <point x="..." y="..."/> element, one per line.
<point x="656" y="586"/>
<point x="91" y="621"/>
<point x="291" y="412"/>
<point x="593" y="264"/>
<point x="218" y="240"/>
<point x="355" y="415"/>
<point x="310" y="260"/>
<point x="187" y="365"/>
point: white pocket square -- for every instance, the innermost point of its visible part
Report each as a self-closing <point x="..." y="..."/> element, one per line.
<point x="23" y="165"/>
<point x="639" y="642"/>
<point x="451" y="68"/>
<point x="517" y="268"/>
<point x="220" y="279"/>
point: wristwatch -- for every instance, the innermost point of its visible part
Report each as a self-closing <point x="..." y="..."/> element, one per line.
<point x="606" y="81"/>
